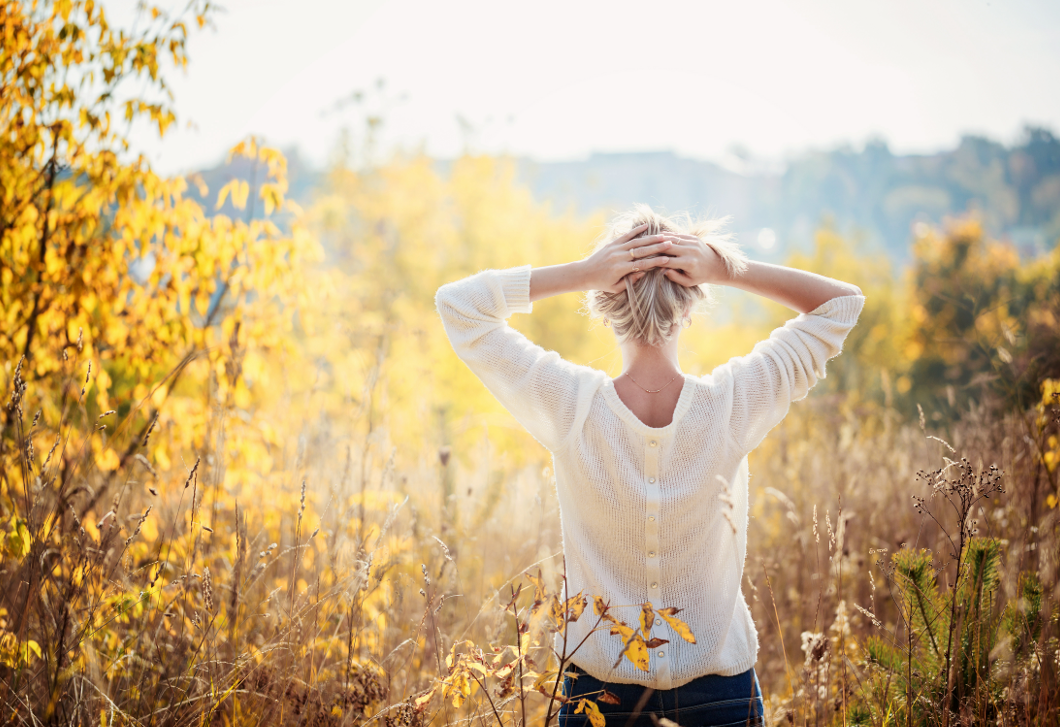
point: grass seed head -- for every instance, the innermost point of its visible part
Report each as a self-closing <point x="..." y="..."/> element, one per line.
<point x="207" y="588"/>
<point x="150" y="428"/>
<point x="191" y="475"/>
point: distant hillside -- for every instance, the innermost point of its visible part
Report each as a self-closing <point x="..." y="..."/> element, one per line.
<point x="1016" y="190"/>
<point x="871" y="192"/>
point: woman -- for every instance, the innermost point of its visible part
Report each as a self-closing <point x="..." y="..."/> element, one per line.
<point x="651" y="466"/>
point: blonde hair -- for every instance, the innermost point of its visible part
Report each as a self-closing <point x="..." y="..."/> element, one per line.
<point x="650" y="310"/>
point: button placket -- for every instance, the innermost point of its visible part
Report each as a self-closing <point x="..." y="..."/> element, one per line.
<point x="652" y="551"/>
<point x="652" y="569"/>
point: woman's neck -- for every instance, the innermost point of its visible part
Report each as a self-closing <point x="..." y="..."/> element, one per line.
<point x="649" y="384"/>
<point x="650" y="363"/>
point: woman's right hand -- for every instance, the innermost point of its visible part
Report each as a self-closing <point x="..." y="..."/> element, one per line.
<point x="693" y="262"/>
<point x="626" y="256"/>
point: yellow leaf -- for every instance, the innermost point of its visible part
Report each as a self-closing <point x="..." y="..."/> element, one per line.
<point x="271" y="196"/>
<point x="539" y="586"/>
<point x="556" y="611"/>
<point x="507" y="669"/>
<point x="623" y="629"/>
<point x="460" y="688"/>
<point x="240" y="193"/>
<point x="595" y="717"/>
<point x="647" y="617"/>
<point x="636" y="651"/>
<point x="669" y="614"/>
<point x="421" y="701"/>
<point x="223" y="194"/>
<point x="539" y="683"/>
<point x="576" y="607"/>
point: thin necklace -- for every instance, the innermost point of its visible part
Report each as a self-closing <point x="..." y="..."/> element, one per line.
<point x="652" y="391"/>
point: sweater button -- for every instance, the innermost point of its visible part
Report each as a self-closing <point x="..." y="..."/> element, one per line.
<point x="654" y="585"/>
<point x="652" y="443"/>
<point x="651" y="480"/>
<point x="651" y="518"/>
<point x="651" y="553"/>
<point x="661" y="654"/>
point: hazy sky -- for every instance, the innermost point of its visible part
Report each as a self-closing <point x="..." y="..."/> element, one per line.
<point x="561" y="79"/>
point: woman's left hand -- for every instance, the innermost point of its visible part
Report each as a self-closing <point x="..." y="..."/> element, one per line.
<point x="625" y="257"/>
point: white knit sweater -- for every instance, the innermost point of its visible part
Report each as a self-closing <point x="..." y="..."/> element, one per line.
<point x="643" y="509"/>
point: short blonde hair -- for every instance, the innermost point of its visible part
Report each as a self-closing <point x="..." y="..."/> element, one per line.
<point x="651" y="309"/>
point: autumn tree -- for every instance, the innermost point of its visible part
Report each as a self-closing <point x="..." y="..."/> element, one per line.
<point x="97" y="250"/>
<point x="117" y="291"/>
<point x="984" y="321"/>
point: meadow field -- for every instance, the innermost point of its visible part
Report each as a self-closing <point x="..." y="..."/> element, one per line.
<point x="245" y="481"/>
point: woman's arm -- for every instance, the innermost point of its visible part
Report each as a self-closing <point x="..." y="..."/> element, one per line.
<point x="690" y="261"/>
<point x="545" y="393"/>
<point x="797" y="289"/>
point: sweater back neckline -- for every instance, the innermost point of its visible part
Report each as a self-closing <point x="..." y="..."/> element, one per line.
<point x="626" y="414"/>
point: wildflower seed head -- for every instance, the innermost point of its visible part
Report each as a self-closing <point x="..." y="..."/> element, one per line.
<point x="80" y="340"/>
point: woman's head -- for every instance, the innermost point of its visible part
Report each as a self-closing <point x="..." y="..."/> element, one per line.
<point x="650" y="310"/>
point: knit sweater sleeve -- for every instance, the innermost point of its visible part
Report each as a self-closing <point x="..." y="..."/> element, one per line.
<point x="544" y="392"/>
<point x="784" y="367"/>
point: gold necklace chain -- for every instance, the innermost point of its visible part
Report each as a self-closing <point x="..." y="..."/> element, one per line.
<point x="652" y="391"/>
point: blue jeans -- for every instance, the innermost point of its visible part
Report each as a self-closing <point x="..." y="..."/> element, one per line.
<point x="709" y="701"/>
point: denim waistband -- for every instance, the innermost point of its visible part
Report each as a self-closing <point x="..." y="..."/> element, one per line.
<point x="711" y="699"/>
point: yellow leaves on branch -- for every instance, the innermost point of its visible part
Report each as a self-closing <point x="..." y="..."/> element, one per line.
<point x="636" y="642"/>
<point x="15" y="652"/>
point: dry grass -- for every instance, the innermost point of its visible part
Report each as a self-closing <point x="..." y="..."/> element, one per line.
<point x="197" y="606"/>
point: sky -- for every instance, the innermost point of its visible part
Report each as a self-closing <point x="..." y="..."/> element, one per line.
<point x="558" y="80"/>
